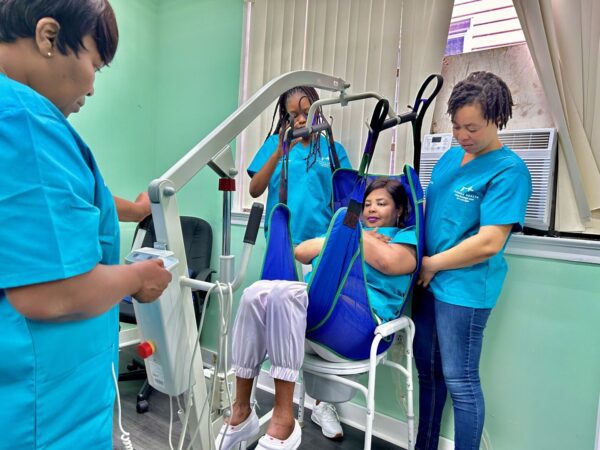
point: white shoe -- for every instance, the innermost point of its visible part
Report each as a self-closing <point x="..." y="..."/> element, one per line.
<point x="237" y="433"/>
<point x="291" y="443"/>
<point x="325" y="415"/>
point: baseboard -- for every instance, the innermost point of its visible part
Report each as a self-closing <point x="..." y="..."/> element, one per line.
<point x="387" y="428"/>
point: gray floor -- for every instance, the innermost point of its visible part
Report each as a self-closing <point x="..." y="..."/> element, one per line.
<point x="149" y="431"/>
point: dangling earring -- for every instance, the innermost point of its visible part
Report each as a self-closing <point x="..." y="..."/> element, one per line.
<point x="49" y="54"/>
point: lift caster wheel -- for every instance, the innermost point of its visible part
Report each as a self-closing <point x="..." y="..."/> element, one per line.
<point x="142" y="406"/>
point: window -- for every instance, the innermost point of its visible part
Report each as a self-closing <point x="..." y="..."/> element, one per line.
<point x="483" y="24"/>
<point x="357" y="41"/>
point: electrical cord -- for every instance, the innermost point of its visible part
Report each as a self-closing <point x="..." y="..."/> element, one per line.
<point x="170" y="422"/>
<point x="125" y="439"/>
<point x="188" y="405"/>
<point x="225" y="309"/>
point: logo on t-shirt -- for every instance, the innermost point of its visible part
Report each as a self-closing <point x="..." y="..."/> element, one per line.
<point x="466" y="194"/>
<point x="324" y="162"/>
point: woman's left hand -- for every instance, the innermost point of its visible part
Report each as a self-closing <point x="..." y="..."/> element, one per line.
<point x="376" y="235"/>
<point x="427" y="272"/>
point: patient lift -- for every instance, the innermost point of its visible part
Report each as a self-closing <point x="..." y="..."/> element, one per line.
<point x="338" y="297"/>
<point x="168" y="325"/>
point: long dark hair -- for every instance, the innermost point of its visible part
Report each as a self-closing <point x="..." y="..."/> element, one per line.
<point x="488" y="91"/>
<point x="283" y="117"/>
<point x="397" y="192"/>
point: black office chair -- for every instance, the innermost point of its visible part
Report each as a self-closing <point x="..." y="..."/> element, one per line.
<point x="197" y="240"/>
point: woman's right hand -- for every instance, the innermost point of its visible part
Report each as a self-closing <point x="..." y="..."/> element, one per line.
<point x="260" y="180"/>
<point x="154" y="279"/>
<point x="282" y="135"/>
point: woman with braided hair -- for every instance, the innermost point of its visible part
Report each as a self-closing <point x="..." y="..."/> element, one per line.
<point x="310" y="166"/>
<point x="477" y="196"/>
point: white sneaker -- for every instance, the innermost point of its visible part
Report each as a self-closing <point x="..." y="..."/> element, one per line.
<point x="325" y="415"/>
<point x="237" y="433"/>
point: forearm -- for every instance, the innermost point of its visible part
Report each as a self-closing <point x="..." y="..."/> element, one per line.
<point x="306" y="251"/>
<point x="389" y="259"/>
<point x="474" y="250"/>
<point x="81" y="297"/>
<point x="128" y="211"/>
<point x="260" y="180"/>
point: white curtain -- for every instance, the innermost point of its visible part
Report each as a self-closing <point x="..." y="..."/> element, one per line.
<point x="564" y="40"/>
<point x="357" y="40"/>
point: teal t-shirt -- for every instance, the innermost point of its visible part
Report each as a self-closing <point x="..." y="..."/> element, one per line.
<point x="309" y="191"/>
<point x="386" y="292"/>
<point x="60" y="221"/>
<point x="492" y="189"/>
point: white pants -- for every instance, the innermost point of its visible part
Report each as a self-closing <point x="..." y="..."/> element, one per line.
<point x="271" y="320"/>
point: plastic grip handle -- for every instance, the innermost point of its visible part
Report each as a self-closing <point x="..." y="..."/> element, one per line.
<point x="303" y="132"/>
<point x="253" y="223"/>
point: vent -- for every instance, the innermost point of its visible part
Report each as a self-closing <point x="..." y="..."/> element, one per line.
<point x="536" y="147"/>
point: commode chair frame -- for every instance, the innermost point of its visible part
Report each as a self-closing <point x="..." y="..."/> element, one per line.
<point x="335" y="371"/>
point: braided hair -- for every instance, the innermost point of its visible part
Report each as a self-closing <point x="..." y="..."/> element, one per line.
<point x="311" y="95"/>
<point x="487" y="90"/>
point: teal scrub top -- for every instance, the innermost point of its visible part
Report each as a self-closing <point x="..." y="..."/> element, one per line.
<point x="386" y="292"/>
<point x="59" y="221"/>
<point x="309" y="191"/>
<point x="492" y="189"/>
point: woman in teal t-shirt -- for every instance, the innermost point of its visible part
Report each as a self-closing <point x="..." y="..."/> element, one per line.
<point x="59" y="284"/>
<point x="272" y="316"/>
<point x="477" y="195"/>
<point x="309" y="168"/>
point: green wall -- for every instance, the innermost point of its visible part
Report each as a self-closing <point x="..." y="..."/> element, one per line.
<point x="118" y="121"/>
<point x="176" y="76"/>
<point x="198" y="70"/>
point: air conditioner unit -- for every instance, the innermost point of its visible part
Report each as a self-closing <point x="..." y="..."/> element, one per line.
<point x="537" y="147"/>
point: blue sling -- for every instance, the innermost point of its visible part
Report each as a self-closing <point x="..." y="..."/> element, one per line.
<point x="339" y="316"/>
<point x="279" y="262"/>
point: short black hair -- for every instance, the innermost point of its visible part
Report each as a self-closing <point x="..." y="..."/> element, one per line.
<point x="396" y="191"/>
<point x="77" y="19"/>
<point x="488" y="91"/>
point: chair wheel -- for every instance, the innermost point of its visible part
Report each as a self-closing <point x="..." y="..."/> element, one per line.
<point x="142" y="406"/>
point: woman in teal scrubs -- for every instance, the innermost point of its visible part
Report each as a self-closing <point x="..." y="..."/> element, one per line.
<point x="309" y="191"/>
<point x="477" y="196"/>
<point x="309" y="169"/>
<point x="59" y="281"/>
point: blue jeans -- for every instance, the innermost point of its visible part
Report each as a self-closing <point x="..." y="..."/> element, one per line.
<point x="447" y="350"/>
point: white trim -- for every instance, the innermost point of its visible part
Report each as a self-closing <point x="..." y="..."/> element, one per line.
<point x="387" y="428"/>
<point x="129" y="337"/>
<point x="597" y="446"/>
<point x="576" y="250"/>
<point x="241" y="218"/>
<point x="563" y="249"/>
